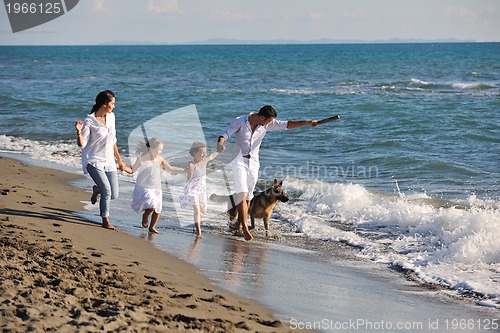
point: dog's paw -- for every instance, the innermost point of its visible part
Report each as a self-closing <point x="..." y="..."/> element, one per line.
<point x="233" y="225"/>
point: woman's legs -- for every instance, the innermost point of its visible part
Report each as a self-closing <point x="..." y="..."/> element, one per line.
<point x="113" y="181"/>
<point x="108" y="188"/>
<point x="95" y="193"/>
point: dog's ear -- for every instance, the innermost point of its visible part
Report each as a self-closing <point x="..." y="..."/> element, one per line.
<point x="275" y="182"/>
<point x="281" y="183"/>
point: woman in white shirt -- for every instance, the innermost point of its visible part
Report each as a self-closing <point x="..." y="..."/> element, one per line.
<point x="96" y="134"/>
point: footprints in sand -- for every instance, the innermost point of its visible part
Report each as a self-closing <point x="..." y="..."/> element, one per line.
<point x="190" y="301"/>
<point x="27" y="199"/>
<point x="152" y="281"/>
<point x="134" y="263"/>
<point x="67" y="242"/>
<point x="183" y="296"/>
<point x="94" y="252"/>
<point x="61" y="286"/>
<point x="43" y="281"/>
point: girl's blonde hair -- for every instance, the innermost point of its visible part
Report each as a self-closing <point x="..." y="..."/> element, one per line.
<point x="144" y="147"/>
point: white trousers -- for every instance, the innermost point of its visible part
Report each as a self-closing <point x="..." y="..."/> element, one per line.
<point x="245" y="174"/>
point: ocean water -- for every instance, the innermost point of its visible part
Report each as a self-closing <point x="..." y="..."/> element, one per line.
<point x="409" y="176"/>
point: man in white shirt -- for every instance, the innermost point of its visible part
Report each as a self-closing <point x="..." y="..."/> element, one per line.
<point x="249" y="132"/>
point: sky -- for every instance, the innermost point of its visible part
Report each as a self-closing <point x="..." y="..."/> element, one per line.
<point x="94" y="22"/>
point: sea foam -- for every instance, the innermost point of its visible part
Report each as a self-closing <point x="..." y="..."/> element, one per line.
<point x="453" y="244"/>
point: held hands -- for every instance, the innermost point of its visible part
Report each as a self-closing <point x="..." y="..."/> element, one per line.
<point x="220" y="148"/>
<point x="127" y="169"/>
<point x="123" y="167"/>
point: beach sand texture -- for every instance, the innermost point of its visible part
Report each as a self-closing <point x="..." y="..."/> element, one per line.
<point x="62" y="273"/>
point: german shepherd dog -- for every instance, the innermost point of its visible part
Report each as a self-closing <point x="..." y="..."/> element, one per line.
<point x="261" y="206"/>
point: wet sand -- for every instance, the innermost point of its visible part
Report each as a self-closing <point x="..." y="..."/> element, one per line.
<point x="337" y="292"/>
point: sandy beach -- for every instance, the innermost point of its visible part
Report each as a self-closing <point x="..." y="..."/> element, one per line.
<point x="62" y="273"/>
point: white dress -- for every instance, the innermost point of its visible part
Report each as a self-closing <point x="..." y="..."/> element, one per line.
<point x="195" y="191"/>
<point x="147" y="192"/>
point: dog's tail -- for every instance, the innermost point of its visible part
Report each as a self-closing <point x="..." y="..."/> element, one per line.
<point x="220" y="198"/>
<point x="230" y="200"/>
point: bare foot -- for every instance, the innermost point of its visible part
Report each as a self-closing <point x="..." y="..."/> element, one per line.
<point x="153" y="230"/>
<point x="234" y="226"/>
<point x="247" y="234"/>
<point x="107" y="225"/>
<point x="145" y="221"/>
<point x="199" y="236"/>
<point x="95" y="193"/>
<point x="238" y="232"/>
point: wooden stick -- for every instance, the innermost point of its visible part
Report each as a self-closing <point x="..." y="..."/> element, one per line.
<point x="329" y="119"/>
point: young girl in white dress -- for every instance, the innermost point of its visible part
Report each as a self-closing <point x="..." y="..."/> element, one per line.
<point x="147" y="195"/>
<point x="195" y="192"/>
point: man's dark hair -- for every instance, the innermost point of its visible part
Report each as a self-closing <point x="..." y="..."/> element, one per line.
<point x="268" y="112"/>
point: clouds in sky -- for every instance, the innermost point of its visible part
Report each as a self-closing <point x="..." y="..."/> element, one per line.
<point x="164" y="6"/>
<point x="179" y="21"/>
<point x="99" y="6"/>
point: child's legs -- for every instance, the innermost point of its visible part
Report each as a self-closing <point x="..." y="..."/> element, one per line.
<point x="154" y="219"/>
<point x="145" y="216"/>
<point x="197" y="213"/>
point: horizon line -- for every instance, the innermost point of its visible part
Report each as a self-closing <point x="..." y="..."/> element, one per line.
<point x="227" y="41"/>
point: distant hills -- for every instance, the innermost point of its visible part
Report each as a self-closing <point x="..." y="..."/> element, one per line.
<point x="328" y="41"/>
<point x="226" y="41"/>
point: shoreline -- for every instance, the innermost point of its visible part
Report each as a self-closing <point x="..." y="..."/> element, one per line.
<point x="66" y="273"/>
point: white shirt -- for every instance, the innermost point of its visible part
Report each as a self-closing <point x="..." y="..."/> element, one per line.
<point x="98" y="142"/>
<point x="248" y="142"/>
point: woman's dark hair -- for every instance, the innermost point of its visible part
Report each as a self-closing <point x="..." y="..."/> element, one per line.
<point x="268" y="112"/>
<point x="103" y="98"/>
<point x="196" y="146"/>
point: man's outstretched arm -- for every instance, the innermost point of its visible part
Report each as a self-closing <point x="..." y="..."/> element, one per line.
<point x="300" y="123"/>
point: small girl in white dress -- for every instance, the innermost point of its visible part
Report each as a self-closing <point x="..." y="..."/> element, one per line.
<point x="195" y="192"/>
<point x="147" y="195"/>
